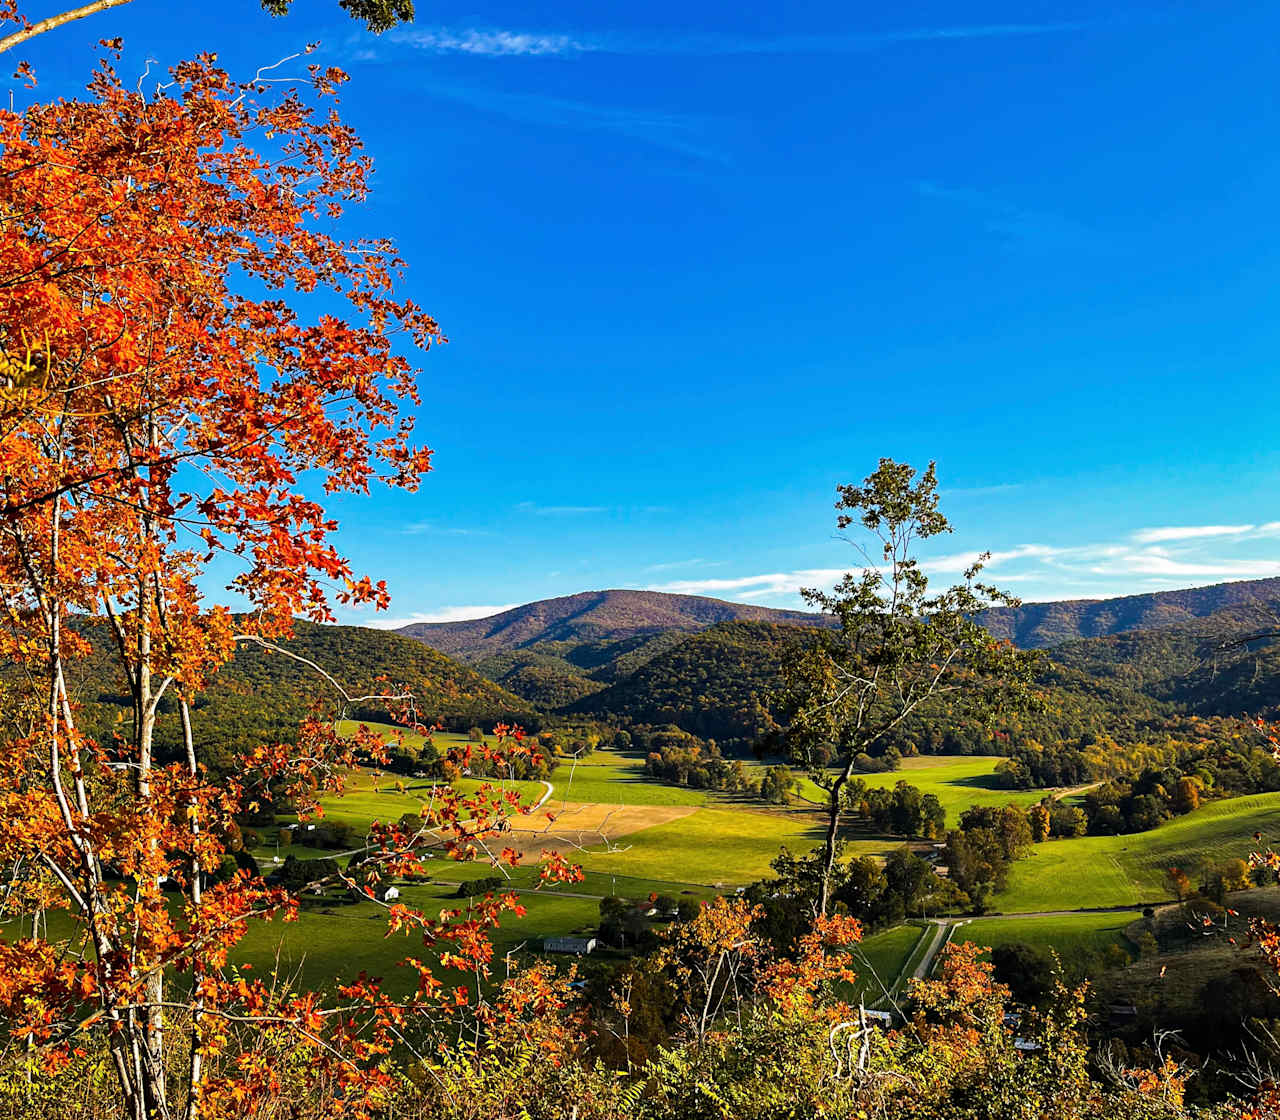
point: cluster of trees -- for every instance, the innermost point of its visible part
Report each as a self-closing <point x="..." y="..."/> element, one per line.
<point x="635" y="924"/>
<point x="683" y="759"/>
<point x="900" y="811"/>
<point x="978" y="853"/>
<point x="1214" y="754"/>
<point x="878" y="895"/>
<point x="1044" y="768"/>
<point x="1143" y="803"/>
<point x="698" y="765"/>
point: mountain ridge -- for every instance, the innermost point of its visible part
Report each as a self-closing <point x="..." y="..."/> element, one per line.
<point x="616" y="614"/>
<point x="590" y="616"/>
<point x="1047" y="624"/>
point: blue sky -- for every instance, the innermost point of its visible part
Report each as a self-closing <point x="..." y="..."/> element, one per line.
<point x="700" y="262"/>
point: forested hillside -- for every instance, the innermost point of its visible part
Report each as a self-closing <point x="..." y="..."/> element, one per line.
<point x="261" y="695"/>
<point x="718" y="684"/>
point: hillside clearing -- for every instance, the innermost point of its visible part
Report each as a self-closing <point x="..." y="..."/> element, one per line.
<point x="1129" y="869"/>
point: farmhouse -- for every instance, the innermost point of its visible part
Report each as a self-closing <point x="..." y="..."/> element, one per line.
<point x="579" y="945"/>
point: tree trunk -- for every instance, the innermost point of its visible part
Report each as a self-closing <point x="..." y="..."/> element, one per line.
<point x="829" y="844"/>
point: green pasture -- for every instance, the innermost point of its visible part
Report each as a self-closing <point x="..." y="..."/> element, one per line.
<point x="1125" y="870"/>
<point x="609" y="778"/>
<point x="879" y="959"/>
<point x="1068" y="934"/>
<point x="372" y="795"/>
<point x="334" y="945"/>
<point x="958" y="781"/>
<point x="600" y="777"/>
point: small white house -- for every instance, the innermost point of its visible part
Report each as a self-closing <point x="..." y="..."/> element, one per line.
<point x="387" y="893"/>
<point x="579" y="945"/>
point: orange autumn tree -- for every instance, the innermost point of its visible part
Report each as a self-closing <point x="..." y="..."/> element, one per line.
<point x="183" y="345"/>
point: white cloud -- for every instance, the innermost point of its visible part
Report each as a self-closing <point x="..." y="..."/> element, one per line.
<point x="559" y="511"/>
<point x="1193" y="532"/>
<point x="961" y="561"/>
<point x="1156" y="564"/>
<point x="442" y="614"/>
<point x="745" y="587"/>
<point x="692" y="562"/>
<point x="510" y="43"/>
<point x="789" y="583"/>
<point x="1103" y="569"/>
<point x="424" y="528"/>
<point x="488" y="43"/>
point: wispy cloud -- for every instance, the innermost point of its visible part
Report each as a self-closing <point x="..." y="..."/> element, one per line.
<point x="487" y="42"/>
<point x="559" y="511"/>
<point x="692" y="562"/>
<point x="1034" y="229"/>
<point x="682" y="133"/>
<point x="430" y="528"/>
<point x="752" y="587"/>
<point x="772" y="584"/>
<point x="1191" y="532"/>
<point x="441" y="614"/>
<point x="1143" y="560"/>
<point x="541" y="510"/>
<point x="508" y="43"/>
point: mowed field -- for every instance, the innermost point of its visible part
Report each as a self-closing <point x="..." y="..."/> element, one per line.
<point x="334" y="945"/>
<point x="1126" y="870"/>
<point x="957" y="781"/>
<point x="1064" y="933"/>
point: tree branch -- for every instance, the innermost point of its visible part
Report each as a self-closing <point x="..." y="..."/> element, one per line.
<point x="69" y="16"/>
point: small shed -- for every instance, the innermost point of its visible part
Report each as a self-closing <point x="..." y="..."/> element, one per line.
<point x="386" y="893"/>
<point x="579" y="945"/>
<point x="1121" y="1014"/>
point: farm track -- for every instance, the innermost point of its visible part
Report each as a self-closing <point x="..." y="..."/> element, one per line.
<point x="946" y="927"/>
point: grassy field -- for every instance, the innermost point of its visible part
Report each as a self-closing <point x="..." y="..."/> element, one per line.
<point x="668" y="840"/>
<point x="879" y="959"/>
<point x="618" y="779"/>
<point x="324" y="947"/>
<point x="1068" y="934"/>
<point x="371" y="796"/>
<point x="957" y="781"/>
<point x="603" y="776"/>
<point x="1123" y="870"/>
<point x="715" y="846"/>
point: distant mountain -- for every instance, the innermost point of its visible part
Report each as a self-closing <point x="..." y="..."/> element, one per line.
<point x="591" y="616"/>
<point x="1039" y="625"/>
<point x="1123" y="667"/>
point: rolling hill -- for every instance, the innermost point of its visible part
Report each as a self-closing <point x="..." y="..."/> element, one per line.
<point x="262" y="695"/>
<point x="591" y="616"/>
